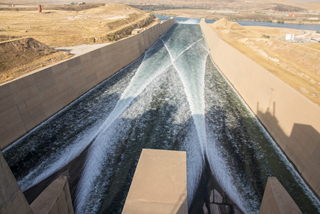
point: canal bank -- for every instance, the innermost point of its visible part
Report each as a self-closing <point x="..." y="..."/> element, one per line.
<point x="290" y="118"/>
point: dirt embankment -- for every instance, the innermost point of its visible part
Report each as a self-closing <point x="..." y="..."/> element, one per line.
<point x="61" y="28"/>
<point x="23" y="55"/>
<point x="296" y="64"/>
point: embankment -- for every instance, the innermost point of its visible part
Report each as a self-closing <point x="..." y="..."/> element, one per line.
<point x="291" y="119"/>
<point x="28" y="101"/>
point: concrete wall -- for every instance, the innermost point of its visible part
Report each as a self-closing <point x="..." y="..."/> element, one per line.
<point x="12" y="199"/>
<point x="159" y="184"/>
<point x="276" y="199"/>
<point x="291" y="119"/>
<point x="30" y="100"/>
<point x="55" y="199"/>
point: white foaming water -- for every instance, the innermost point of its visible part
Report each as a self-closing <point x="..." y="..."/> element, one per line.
<point x="190" y="21"/>
<point x="192" y="77"/>
<point x="154" y="63"/>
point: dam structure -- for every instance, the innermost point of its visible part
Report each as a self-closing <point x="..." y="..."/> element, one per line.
<point x="172" y="98"/>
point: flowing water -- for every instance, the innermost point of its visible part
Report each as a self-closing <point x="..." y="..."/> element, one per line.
<point x="172" y="98"/>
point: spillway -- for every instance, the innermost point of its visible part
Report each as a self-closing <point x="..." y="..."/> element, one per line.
<point x="173" y="98"/>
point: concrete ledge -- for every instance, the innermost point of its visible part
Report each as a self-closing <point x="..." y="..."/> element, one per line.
<point x="12" y="199"/>
<point x="277" y="200"/>
<point x="159" y="184"/>
<point x="55" y="199"/>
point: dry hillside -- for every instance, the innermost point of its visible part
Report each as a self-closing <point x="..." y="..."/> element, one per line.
<point x="23" y="55"/>
<point x="62" y="28"/>
<point x="297" y="64"/>
<point x="28" y="36"/>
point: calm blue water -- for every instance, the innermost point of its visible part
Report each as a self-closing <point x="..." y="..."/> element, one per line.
<point x="247" y="23"/>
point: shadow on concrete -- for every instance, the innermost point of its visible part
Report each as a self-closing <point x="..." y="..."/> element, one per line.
<point x="298" y="148"/>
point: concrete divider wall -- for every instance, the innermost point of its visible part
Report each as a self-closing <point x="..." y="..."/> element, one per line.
<point x="277" y="200"/>
<point x="30" y="100"/>
<point x="291" y="119"/>
<point x="55" y="199"/>
<point x="12" y="199"/>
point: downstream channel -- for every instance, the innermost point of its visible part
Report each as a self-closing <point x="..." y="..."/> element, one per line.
<point x="172" y="98"/>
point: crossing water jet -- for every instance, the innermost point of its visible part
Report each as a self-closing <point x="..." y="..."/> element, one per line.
<point x="172" y="98"/>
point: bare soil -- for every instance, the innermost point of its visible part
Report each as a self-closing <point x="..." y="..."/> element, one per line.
<point x="296" y="64"/>
<point x="63" y="28"/>
<point x="28" y="37"/>
<point x="20" y="56"/>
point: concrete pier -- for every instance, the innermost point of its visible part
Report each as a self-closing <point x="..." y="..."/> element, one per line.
<point x="12" y="199"/>
<point x="159" y="184"/>
<point x="277" y="200"/>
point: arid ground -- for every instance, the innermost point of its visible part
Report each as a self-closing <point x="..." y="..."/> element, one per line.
<point x="297" y="64"/>
<point x="60" y="25"/>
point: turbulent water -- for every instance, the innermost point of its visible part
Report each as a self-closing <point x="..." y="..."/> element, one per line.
<point x="172" y="98"/>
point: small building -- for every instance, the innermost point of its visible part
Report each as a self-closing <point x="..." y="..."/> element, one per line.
<point x="290" y="37"/>
<point x="136" y="31"/>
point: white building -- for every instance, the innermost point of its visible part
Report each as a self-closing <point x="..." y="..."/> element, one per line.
<point x="289" y="37"/>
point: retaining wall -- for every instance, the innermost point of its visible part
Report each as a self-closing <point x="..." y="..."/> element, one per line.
<point x="12" y="199"/>
<point x="28" y="101"/>
<point x="291" y="119"/>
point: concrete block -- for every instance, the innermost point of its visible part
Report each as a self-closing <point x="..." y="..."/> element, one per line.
<point x="21" y="84"/>
<point x="67" y="96"/>
<point x="10" y="121"/>
<point x="6" y="103"/>
<point x="11" y="134"/>
<point x="159" y="184"/>
<point x="25" y="94"/>
<point x="12" y="199"/>
<point x="63" y="85"/>
<point x="5" y="91"/>
<point x="73" y="62"/>
<point x="277" y="200"/>
<point x="42" y="75"/>
<point x="55" y="199"/>
<point x="52" y="105"/>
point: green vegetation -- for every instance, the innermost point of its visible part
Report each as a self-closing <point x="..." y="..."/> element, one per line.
<point x="280" y="22"/>
<point x="318" y="31"/>
<point x="266" y="36"/>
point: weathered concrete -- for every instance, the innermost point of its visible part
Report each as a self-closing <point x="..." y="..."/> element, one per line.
<point x="159" y="184"/>
<point x="31" y="99"/>
<point x="12" y="199"/>
<point x="55" y="199"/>
<point x="276" y="199"/>
<point x="291" y="119"/>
